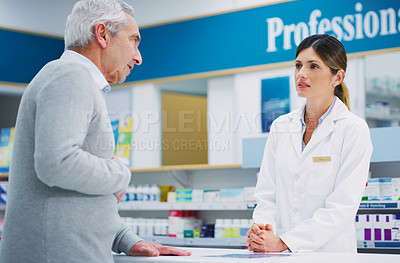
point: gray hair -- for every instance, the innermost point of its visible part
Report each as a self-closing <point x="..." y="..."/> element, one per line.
<point x="86" y="14"/>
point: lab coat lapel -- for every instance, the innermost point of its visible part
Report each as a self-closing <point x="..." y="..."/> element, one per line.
<point x="324" y="130"/>
<point x="339" y="111"/>
<point x="294" y="130"/>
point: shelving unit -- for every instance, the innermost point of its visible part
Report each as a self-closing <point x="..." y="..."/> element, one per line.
<point x="199" y="242"/>
<point x="387" y="247"/>
<point x="384" y="163"/>
<point x="158" y="206"/>
<point x="378" y="117"/>
<point x="185" y="167"/>
<point x="196" y="177"/>
<point x="382" y="92"/>
<point x="379" y="205"/>
<point x="382" y="206"/>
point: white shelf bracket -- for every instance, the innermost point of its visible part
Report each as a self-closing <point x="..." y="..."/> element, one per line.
<point x="186" y="180"/>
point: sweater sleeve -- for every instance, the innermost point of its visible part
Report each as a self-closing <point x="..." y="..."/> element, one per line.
<point x="65" y="107"/>
<point x="124" y="240"/>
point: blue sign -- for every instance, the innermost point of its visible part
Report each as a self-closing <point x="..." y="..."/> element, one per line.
<point x="264" y="35"/>
<point x="275" y="100"/>
<point x="377" y="205"/>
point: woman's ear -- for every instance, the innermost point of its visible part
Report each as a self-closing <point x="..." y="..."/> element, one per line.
<point x="339" y="77"/>
<point x="101" y="35"/>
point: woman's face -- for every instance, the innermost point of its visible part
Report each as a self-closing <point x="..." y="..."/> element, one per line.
<point x="313" y="77"/>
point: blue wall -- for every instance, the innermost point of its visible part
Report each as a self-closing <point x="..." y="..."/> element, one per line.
<point x="23" y="55"/>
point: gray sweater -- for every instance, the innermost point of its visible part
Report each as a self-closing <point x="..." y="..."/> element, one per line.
<point x="61" y="205"/>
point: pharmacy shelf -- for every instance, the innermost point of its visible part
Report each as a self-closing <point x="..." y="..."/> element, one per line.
<point x="198" y="242"/>
<point x="378" y="244"/>
<point x="379" y="205"/>
<point x="382" y="93"/>
<point x="184" y="167"/>
<point x="374" y="116"/>
<point x="160" y="206"/>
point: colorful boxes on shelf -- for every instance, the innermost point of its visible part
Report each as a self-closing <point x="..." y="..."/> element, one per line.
<point x="6" y="144"/>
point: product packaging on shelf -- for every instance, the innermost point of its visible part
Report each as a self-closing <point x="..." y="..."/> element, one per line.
<point x="183" y="223"/>
<point x="142" y="193"/>
<point x="122" y="129"/>
<point x="248" y="194"/>
<point x="382" y="189"/>
<point x="165" y="189"/>
<point x="377" y="227"/>
<point x="197" y="195"/>
<point x="183" y="195"/>
<point x="372" y="190"/>
<point x="6" y="144"/>
<point x="212" y="196"/>
<point x="232" y="195"/>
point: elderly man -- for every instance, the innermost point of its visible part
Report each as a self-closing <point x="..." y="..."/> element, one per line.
<point x="65" y="183"/>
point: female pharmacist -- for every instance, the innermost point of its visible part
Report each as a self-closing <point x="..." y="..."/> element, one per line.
<point x="315" y="162"/>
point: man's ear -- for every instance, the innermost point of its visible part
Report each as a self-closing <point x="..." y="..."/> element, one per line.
<point x="101" y="34"/>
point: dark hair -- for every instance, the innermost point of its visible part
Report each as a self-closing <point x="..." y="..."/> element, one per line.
<point x="334" y="56"/>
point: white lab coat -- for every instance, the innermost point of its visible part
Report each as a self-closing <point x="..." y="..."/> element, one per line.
<point x="312" y="205"/>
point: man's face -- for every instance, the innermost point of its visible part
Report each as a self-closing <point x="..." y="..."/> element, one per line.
<point x="122" y="53"/>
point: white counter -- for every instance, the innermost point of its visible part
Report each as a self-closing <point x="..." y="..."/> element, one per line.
<point x="242" y="255"/>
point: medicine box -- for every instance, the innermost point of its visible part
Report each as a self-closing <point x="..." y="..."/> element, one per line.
<point x="372" y="191"/>
<point x="386" y="189"/>
<point x="171" y="197"/>
<point x="197" y="195"/>
<point x="248" y="194"/>
<point x="211" y="196"/>
<point x="232" y="195"/>
<point x="6" y="144"/>
<point x="183" y="195"/>
<point x="396" y="189"/>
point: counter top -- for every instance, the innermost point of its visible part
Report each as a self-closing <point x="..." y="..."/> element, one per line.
<point x="242" y="255"/>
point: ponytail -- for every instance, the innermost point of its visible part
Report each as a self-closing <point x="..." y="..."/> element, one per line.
<point x="342" y="93"/>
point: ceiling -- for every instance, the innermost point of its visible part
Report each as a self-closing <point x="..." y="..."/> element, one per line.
<point x="49" y="16"/>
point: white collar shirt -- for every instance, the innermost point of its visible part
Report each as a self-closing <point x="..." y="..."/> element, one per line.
<point x="96" y="74"/>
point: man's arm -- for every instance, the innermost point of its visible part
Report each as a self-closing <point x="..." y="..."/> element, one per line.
<point x="62" y="123"/>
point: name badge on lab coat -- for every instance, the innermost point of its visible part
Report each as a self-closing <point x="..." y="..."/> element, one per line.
<point x="321" y="159"/>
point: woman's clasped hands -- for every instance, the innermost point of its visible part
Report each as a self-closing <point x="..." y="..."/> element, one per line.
<point x="261" y="238"/>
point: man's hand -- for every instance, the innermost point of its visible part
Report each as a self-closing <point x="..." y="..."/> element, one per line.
<point x="120" y="195"/>
<point x="262" y="239"/>
<point x="151" y="249"/>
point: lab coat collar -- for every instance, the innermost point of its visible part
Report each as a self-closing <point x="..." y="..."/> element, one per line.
<point x="339" y="111"/>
